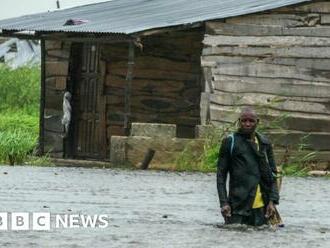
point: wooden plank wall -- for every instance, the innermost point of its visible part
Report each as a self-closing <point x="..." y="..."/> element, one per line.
<point x="166" y="82"/>
<point x="279" y="59"/>
<point x="56" y="75"/>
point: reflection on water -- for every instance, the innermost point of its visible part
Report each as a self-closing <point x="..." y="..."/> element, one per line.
<point x="155" y="209"/>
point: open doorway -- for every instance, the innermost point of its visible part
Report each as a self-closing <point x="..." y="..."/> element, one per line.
<point x="88" y="131"/>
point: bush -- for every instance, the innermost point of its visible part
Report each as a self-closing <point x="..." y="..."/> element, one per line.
<point x="19" y="113"/>
<point x="297" y="160"/>
<point x="18" y="120"/>
<point x="16" y="145"/>
<point x="191" y="160"/>
<point x="295" y="164"/>
<point x="20" y="89"/>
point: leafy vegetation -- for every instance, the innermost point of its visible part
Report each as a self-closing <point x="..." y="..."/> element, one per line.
<point x="20" y="89"/>
<point x="296" y="162"/>
<point x="191" y="160"/>
<point x="19" y="115"/>
<point x="12" y="120"/>
<point x="16" y="145"/>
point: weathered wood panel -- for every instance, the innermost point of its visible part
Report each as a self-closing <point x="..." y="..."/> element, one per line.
<point x="283" y="20"/>
<point x="215" y="28"/>
<point x="310" y="63"/>
<point x="53" y="142"/>
<point x="272" y="71"/>
<point x="315" y="7"/>
<point x="57" y="68"/>
<point x="115" y="130"/>
<point x="275" y="86"/>
<point x="322" y="157"/>
<point x="155" y="74"/>
<point x="52" y="121"/>
<point x="269" y="41"/>
<point x="325" y="19"/>
<point x="160" y="104"/>
<point x="318" y="140"/>
<point x="117" y="117"/>
<point x="205" y="108"/>
<point x="148" y="85"/>
<point x="286" y="52"/>
<point x="293" y="121"/>
<point x="56" y="77"/>
<point x="53" y="45"/>
<point x="289" y="104"/>
<point x="158" y="63"/>
<point x="276" y="61"/>
<point x="166" y="84"/>
<point x="53" y="55"/>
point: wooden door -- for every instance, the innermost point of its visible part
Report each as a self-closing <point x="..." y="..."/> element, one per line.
<point x="89" y="106"/>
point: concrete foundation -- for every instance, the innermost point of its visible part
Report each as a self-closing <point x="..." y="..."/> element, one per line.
<point x="159" y="137"/>
<point x="130" y="150"/>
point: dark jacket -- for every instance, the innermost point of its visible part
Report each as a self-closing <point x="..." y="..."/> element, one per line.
<point x="247" y="167"/>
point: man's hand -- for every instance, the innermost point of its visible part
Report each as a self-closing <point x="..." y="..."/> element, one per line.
<point x="226" y="211"/>
<point x="270" y="210"/>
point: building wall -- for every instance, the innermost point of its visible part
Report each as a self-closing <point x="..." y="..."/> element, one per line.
<point x="278" y="60"/>
<point x="166" y="82"/>
<point x="57" y="56"/>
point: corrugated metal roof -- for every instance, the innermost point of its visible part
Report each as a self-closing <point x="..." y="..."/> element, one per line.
<point x="132" y="16"/>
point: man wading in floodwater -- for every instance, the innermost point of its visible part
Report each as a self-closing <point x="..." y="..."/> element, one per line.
<point x="248" y="158"/>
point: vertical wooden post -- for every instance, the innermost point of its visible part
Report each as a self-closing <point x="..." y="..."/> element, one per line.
<point x="41" y="147"/>
<point x="128" y="87"/>
<point x="102" y="106"/>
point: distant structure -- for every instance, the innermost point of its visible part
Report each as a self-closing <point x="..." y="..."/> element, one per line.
<point x="16" y="53"/>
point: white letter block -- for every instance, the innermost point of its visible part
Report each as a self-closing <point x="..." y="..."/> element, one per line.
<point x="3" y="221"/>
<point x="41" y="221"/>
<point x="20" y="221"/>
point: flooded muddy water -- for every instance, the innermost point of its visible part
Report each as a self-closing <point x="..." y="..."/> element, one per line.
<point x="154" y="209"/>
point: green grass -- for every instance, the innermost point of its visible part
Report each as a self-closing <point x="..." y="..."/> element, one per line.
<point x="15" y="146"/>
<point x="295" y="170"/>
<point x="18" y="136"/>
<point x="19" y="115"/>
<point x="20" y="89"/>
<point x="206" y="161"/>
<point x="44" y="160"/>
<point x="19" y="120"/>
<point x="191" y="160"/>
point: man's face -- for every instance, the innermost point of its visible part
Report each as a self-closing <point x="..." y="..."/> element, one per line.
<point x="248" y="122"/>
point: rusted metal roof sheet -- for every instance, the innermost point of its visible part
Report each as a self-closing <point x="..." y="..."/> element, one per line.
<point x="132" y="16"/>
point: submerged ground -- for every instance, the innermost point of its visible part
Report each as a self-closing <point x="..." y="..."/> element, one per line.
<point x="154" y="209"/>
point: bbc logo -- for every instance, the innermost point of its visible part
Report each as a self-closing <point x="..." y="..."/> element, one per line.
<point x="42" y="221"/>
<point x="25" y="221"/>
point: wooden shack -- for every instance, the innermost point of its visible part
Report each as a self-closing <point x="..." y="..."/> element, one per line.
<point x="165" y="88"/>
<point x="185" y="71"/>
<point x="279" y="60"/>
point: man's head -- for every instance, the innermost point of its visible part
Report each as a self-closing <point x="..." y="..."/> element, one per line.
<point x="248" y="120"/>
